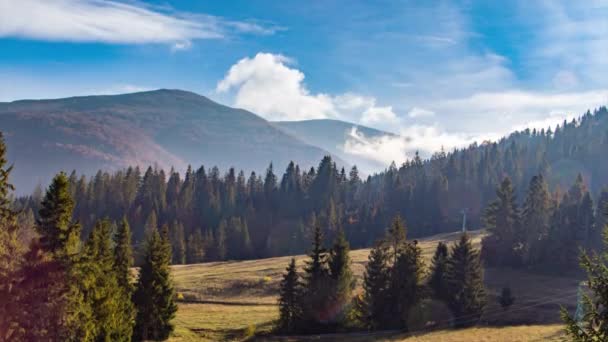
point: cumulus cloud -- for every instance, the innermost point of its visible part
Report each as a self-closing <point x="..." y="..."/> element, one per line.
<point x="111" y="22"/>
<point x="269" y="85"/>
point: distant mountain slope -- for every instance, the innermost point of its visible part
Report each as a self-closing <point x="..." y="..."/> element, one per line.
<point x="163" y="127"/>
<point x="331" y="135"/>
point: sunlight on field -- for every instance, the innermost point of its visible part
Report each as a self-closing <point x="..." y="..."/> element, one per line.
<point x="232" y="300"/>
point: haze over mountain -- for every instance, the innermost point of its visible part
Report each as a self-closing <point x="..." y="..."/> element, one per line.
<point x="169" y="128"/>
<point x="334" y="135"/>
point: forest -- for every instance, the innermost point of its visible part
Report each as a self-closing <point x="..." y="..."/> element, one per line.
<point x="216" y="215"/>
<point x="68" y="252"/>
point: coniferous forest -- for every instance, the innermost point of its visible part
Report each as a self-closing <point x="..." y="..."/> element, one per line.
<point x="68" y="251"/>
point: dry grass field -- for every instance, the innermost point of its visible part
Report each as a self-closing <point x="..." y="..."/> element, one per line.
<point x="236" y="300"/>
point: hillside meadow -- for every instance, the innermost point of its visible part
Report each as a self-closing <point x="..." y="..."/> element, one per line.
<point x="236" y="300"/>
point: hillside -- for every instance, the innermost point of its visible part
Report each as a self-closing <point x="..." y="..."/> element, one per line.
<point x="331" y="136"/>
<point x="224" y="300"/>
<point x="163" y="127"/>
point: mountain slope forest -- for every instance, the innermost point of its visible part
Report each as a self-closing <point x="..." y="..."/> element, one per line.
<point x="217" y="214"/>
<point x="168" y="128"/>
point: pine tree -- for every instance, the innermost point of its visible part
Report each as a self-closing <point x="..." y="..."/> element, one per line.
<point x="58" y="234"/>
<point x="178" y="242"/>
<point x="374" y="302"/>
<point x="11" y="249"/>
<point x="154" y="295"/>
<point x="343" y="281"/>
<point x="535" y="220"/>
<point x="290" y="301"/>
<point x="594" y="325"/>
<point x="501" y="218"/>
<point x="123" y="255"/>
<point x="123" y="261"/>
<point x="465" y="283"/>
<point x="405" y="284"/>
<point x="437" y="280"/>
<point x="397" y="234"/>
<point x="316" y="289"/>
<point x="113" y="321"/>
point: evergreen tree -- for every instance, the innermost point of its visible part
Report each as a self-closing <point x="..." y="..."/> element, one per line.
<point x="594" y="324"/>
<point x="58" y="234"/>
<point x="405" y="284"/>
<point x="178" y="243"/>
<point x="374" y="302"/>
<point x="11" y="249"/>
<point x="154" y="295"/>
<point x="503" y="246"/>
<point x="123" y="261"/>
<point x="437" y="280"/>
<point x="123" y="255"/>
<point x="535" y="220"/>
<point x="343" y="281"/>
<point x="290" y="301"/>
<point x="465" y="283"/>
<point x="113" y="320"/>
<point x="195" y="249"/>
<point x="316" y="289"/>
<point x="397" y="234"/>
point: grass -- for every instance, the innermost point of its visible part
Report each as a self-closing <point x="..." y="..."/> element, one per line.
<point x="235" y="299"/>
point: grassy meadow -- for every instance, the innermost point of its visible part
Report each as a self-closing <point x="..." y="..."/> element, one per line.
<point x="236" y="300"/>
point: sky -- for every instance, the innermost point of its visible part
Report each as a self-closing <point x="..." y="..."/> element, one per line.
<point x="438" y="73"/>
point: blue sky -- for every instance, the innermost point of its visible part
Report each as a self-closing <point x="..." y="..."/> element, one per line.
<point x="442" y="73"/>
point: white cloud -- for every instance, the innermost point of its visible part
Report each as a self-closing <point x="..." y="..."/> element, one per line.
<point x="399" y="148"/>
<point x="111" y="22"/>
<point x="268" y="85"/>
<point x="417" y="112"/>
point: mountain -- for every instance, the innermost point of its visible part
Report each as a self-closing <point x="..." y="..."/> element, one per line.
<point x="168" y="128"/>
<point x="331" y="135"/>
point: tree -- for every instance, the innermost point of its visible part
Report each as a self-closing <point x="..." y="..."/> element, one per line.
<point x="113" y="317"/>
<point x="316" y="289"/>
<point x="10" y="248"/>
<point x="439" y="264"/>
<point x="594" y="323"/>
<point x="506" y="299"/>
<point x="465" y="283"/>
<point x="405" y="284"/>
<point x="290" y="305"/>
<point x="535" y="220"/>
<point x="503" y="246"/>
<point x="397" y="234"/>
<point x="154" y="295"/>
<point x="374" y="302"/>
<point x="343" y="281"/>
<point x="123" y="261"/>
<point x="178" y="243"/>
<point x="58" y="234"/>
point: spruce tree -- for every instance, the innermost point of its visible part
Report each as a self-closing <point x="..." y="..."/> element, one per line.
<point x="341" y="275"/>
<point x="316" y="289"/>
<point x="58" y="234"/>
<point x="374" y="302"/>
<point x="11" y="249"/>
<point x="154" y="295"/>
<point x="437" y="280"/>
<point x="503" y="221"/>
<point x="290" y="301"/>
<point x="123" y="261"/>
<point x="594" y="324"/>
<point x="464" y="274"/>
<point x="112" y="320"/>
<point x="535" y="220"/>
<point x="397" y="234"/>
<point x="405" y="284"/>
<point x="178" y="242"/>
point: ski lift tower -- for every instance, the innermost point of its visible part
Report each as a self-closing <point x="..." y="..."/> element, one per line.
<point x="464" y="219"/>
